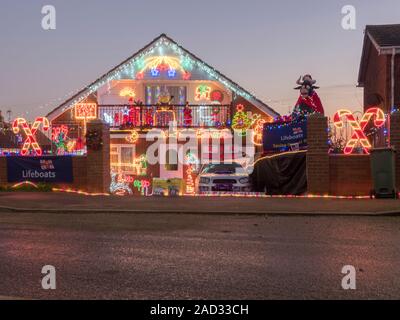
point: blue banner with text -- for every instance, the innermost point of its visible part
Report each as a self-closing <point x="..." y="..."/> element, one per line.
<point x="40" y="169"/>
<point x="290" y="136"/>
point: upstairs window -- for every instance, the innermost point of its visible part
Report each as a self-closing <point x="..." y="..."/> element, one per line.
<point x="178" y="93"/>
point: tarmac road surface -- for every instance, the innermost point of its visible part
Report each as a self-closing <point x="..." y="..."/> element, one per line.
<point x="169" y="256"/>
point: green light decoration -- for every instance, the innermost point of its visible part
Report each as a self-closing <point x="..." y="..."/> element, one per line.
<point x="60" y="143"/>
<point x="242" y="122"/>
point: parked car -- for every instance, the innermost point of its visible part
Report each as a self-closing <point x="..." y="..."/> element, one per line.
<point x="224" y="177"/>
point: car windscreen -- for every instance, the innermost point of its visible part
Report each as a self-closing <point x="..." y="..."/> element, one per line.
<point x="224" y="168"/>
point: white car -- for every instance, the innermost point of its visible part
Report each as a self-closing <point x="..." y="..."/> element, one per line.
<point x="222" y="177"/>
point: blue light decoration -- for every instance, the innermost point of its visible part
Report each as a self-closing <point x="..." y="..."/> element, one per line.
<point x="155" y="72"/>
<point x="182" y="95"/>
<point x="125" y="111"/>
<point x="171" y="73"/>
<point x="149" y="95"/>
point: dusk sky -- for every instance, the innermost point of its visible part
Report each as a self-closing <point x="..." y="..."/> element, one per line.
<point x="263" y="45"/>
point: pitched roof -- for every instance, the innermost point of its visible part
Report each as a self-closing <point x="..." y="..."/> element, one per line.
<point x="384" y="38"/>
<point x="385" y="35"/>
<point x="163" y="38"/>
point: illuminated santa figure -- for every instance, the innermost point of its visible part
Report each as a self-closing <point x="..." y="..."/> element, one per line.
<point x="309" y="101"/>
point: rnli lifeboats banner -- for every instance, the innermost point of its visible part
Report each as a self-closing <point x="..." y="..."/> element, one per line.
<point x="291" y="136"/>
<point x="40" y="169"/>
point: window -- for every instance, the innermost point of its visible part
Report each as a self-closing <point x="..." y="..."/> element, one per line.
<point x="177" y="92"/>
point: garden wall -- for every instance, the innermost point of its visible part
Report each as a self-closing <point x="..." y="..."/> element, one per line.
<point x="91" y="173"/>
<point x="350" y="175"/>
<point x="342" y="175"/>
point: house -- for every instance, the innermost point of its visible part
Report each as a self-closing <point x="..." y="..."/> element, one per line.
<point x="379" y="73"/>
<point x="162" y="83"/>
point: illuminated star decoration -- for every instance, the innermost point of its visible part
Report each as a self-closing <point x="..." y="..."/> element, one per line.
<point x="125" y="111"/>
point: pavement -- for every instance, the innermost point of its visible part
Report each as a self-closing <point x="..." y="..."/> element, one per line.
<point x="175" y="256"/>
<point x="78" y="204"/>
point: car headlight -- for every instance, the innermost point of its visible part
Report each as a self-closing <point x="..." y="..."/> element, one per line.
<point x="205" y="180"/>
<point x="244" y="180"/>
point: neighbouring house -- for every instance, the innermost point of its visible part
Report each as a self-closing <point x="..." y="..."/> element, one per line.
<point x="379" y="73"/>
<point x="160" y="84"/>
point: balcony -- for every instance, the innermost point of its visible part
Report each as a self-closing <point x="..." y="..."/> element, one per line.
<point x="121" y="117"/>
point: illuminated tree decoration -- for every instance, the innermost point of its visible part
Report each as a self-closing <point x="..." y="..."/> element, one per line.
<point x="203" y="92"/>
<point x="359" y="127"/>
<point x="241" y="121"/>
<point x="30" y="133"/>
<point x="86" y="111"/>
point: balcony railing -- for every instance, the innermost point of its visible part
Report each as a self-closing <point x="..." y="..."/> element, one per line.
<point x="157" y="116"/>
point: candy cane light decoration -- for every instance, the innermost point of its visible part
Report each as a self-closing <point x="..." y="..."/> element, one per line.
<point x="359" y="127"/>
<point x="30" y="132"/>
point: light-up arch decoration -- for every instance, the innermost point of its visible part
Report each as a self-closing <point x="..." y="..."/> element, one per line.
<point x="359" y="127"/>
<point x="157" y="64"/>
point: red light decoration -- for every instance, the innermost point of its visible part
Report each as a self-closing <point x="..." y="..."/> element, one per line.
<point x="186" y="75"/>
<point x="359" y="127"/>
<point x="30" y="132"/>
<point x="140" y="76"/>
<point x="217" y="95"/>
<point x="56" y="131"/>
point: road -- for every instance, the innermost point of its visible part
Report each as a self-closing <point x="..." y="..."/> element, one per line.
<point x="171" y="256"/>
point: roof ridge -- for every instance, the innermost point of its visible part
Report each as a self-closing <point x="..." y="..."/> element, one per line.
<point x="140" y="51"/>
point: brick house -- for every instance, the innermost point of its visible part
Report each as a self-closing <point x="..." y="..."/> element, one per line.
<point x="160" y="84"/>
<point x="379" y="73"/>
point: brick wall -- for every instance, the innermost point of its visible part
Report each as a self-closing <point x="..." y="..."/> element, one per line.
<point x="395" y="142"/>
<point x="350" y="175"/>
<point x="377" y="80"/>
<point x="317" y="155"/>
<point x="98" y="161"/>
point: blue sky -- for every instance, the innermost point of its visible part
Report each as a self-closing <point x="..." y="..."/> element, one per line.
<point x="262" y="45"/>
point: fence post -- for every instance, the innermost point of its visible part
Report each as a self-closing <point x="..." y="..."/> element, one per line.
<point x="98" y="159"/>
<point x="317" y="155"/>
<point x="395" y="142"/>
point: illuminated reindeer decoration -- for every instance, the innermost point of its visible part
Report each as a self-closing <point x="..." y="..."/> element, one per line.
<point x="309" y="101"/>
